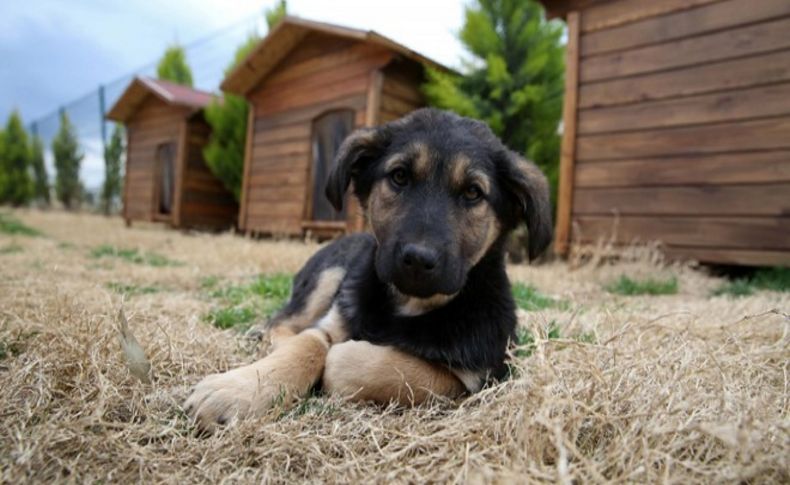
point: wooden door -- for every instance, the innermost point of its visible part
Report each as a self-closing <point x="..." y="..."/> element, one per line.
<point x="165" y="179"/>
<point x="329" y="131"/>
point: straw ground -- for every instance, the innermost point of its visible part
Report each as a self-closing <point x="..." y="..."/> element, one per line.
<point x="683" y="387"/>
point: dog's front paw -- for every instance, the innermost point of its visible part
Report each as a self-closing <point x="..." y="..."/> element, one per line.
<point x="286" y="374"/>
<point x="237" y="394"/>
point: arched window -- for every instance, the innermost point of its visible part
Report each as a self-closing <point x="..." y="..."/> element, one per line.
<point x="329" y="131"/>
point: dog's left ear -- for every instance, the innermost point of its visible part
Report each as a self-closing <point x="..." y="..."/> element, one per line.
<point x="527" y="184"/>
<point x="356" y="154"/>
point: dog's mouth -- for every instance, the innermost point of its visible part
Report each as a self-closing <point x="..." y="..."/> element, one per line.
<point x="419" y="289"/>
<point x="412" y="306"/>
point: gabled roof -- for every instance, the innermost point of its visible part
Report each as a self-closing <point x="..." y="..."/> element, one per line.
<point x="286" y="35"/>
<point x="171" y="93"/>
<point x="560" y="8"/>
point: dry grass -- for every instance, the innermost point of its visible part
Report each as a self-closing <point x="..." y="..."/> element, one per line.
<point x="680" y="388"/>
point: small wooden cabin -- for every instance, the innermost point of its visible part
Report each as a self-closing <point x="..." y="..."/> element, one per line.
<point x="309" y="85"/>
<point x="677" y="127"/>
<point x="167" y="179"/>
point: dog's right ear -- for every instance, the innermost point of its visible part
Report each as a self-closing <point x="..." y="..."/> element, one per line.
<point x="356" y="154"/>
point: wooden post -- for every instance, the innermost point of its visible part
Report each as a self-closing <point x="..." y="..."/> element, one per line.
<point x="568" y="148"/>
<point x="181" y="159"/>
<point x="125" y="195"/>
<point x="372" y="117"/>
<point x="102" y="121"/>
<point x="245" y="181"/>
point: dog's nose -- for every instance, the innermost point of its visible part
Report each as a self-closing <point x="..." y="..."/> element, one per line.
<point x="419" y="258"/>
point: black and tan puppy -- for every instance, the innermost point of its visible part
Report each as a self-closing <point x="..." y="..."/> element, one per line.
<point x="421" y="305"/>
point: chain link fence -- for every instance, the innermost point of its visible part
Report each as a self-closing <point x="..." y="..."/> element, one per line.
<point x="208" y="58"/>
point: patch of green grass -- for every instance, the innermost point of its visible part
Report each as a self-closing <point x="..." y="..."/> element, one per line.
<point x="132" y="256"/>
<point x="239" y="305"/>
<point x="525" y="344"/>
<point x="209" y="282"/>
<point x="16" y="345"/>
<point x="649" y="286"/>
<point x="530" y="299"/>
<point x="11" y="248"/>
<point x="586" y="338"/>
<point x="771" y="279"/>
<point x="12" y="226"/>
<point x="132" y="290"/>
<point x="231" y="317"/>
<point x="526" y="341"/>
<point x="313" y="405"/>
<point x="738" y="287"/>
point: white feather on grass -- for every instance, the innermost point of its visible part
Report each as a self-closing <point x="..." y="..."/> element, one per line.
<point x="135" y="355"/>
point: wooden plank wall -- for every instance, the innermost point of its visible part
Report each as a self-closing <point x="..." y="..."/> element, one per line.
<point x="154" y="123"/>
<point x="683" y="127"/>
<point x="205" y="202"/>
<point x="400" y="91"/>
<point x="321" y="74"/>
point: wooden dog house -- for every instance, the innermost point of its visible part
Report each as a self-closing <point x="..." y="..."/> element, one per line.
<point x="309" y="85"/>
<point x="167" y="178"/>
<point x="677" y="127"/>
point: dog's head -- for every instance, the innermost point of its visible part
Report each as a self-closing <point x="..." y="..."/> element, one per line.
<point x="440" y="191"/>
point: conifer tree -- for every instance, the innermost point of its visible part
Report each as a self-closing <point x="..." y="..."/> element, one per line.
<point x="514" y="82"/>
<point x="173" y="66"/>
<point x="68" y="158"/>
<point x="16" y="186"/>
<point x="113" y="154"/>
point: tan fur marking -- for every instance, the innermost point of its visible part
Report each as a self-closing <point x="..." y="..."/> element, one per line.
<point x="472" y="380"/>
<point x="334" y="325"/>
<point x="280" y="333"/>
<point x="480" y="178"/>
<point x="382" y="208"/>
<point x="389" y="375"/>
<point x="460" y="165"/>
<point x="283" y="376"/>
<point x="422" y="165"/>
<point x="394" y="161"/>
<point x="319" y="300"/>
<point x="462" y="174"/>
<point x="492" y="230"/>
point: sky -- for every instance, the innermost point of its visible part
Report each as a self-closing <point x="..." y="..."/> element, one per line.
<point x="57" y="52"/>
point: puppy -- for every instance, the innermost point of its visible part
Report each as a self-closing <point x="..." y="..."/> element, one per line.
<point x="419" y="306"/>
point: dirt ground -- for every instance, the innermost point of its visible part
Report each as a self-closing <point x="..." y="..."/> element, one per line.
<point x="676" y="388"/>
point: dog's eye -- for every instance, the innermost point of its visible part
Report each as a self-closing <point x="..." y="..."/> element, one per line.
<point x="399" y="177"/>
<point x="473" y="193"/>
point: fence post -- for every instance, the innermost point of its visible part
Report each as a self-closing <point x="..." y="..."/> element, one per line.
<point x="102" y="124"/>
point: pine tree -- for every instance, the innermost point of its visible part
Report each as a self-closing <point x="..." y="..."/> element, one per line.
<point x="514" y="81"/>
<point x="40" y="177"/>
<point x="224" y="153"/>
<point x="276" y="13"/>
<point x="113" y="154"/>
<point x="68" y="157"/>
<point x="173" y="66"/>
<point x="16" y="187"/>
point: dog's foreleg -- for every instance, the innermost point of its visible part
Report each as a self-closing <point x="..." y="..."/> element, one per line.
<point x="280" y="378"/>
<point x="362" y="371"/>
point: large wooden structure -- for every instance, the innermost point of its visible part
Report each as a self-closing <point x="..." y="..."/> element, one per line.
<point x="677" y="126"/>
<point x="309" y="84"/>
<point x="167" y="178"/>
